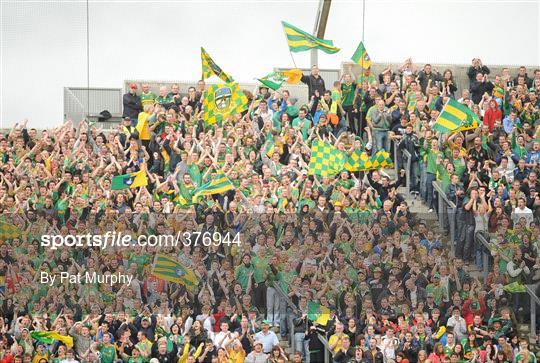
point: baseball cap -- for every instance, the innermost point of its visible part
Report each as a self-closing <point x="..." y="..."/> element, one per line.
<point x="257" y="343"/>
<point x="266" y="322"/>
<point x="133" y="85"/>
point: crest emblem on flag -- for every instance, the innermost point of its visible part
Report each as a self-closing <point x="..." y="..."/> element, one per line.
<point x="180" y="272"/>
<point x="223" y="98"/>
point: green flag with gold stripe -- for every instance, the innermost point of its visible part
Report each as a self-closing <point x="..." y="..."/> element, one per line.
<point x="300" y="41"/>
<point x="453" y="116"/>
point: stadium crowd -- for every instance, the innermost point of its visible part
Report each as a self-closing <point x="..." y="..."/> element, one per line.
<point x="337" y="263"/>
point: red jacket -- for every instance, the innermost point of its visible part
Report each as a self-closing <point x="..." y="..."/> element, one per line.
<point x="491" y="115"/>
<point x="468" y="313"/>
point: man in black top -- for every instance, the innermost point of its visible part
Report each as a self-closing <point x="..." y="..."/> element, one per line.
<point x="314" y="82"/>
<point x="346" y="353"/>
<point x="132" y="103"/>
<point x="480" y="86"/>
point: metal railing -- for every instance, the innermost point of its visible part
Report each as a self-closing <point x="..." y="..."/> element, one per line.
<point x="443" y="205"/>
<point x="488" y="246"/>
<point x="407" y="158"/>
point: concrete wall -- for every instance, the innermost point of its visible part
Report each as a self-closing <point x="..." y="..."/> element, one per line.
<point x="298" y="91"/>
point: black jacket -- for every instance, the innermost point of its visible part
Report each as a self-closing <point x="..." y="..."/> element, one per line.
<point x="314" y="84"/>
<point x="132" y="106"/>
<point x="473" y="71"/>
<point x="478" y="89"/>
<point x="344" y="357"/>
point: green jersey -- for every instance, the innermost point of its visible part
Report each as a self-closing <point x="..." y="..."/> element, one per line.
<point x="148" y="98"/>
<point x="347" y="93"/>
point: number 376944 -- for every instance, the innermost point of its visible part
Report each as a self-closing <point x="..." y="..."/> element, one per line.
<point x="208" y="239"/>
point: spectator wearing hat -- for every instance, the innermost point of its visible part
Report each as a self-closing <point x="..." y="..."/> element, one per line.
<point x="257" y="355"/>
<point x="267" y="337"/>
<point x="132" y="103"/>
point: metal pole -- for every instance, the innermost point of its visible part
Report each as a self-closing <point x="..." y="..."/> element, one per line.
<point x="314" y="59"/>
<point x="453" y="231"/>
<point x="533" y="316"/>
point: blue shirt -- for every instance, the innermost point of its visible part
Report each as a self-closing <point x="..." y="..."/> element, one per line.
<point x="508" y="125"/>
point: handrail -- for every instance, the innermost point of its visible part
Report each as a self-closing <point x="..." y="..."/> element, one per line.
<point x="442" y="198"/>
<point x="439" y="189"/>
<point x="324" y="341"/>
<point x="407" y="156"/>
<point x="396" y="166"/>
<point x="285" y="297"/>
<point x="293" y="307"/>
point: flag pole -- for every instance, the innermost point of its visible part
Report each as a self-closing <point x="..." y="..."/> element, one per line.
<point x="287" y="40"/>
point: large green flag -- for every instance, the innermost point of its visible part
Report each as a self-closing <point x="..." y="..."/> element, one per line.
<point x="454" y="116"/>
<point x="222" y="101"/>
<point x="300" y="41"/>
<point x="209" y="67"/>
<point x="361" y="57"/>
<point x="325" y="159"/>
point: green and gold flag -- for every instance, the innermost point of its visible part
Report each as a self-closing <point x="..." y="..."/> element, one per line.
<point x="209" y="68"/>
<point x="381" y="160"/>
<point x="48" y="337"/>
<point x="300" y="41"/>
<point x="453" y="116"/>
<point x="361" y="57"/>
<point x="318" y="313"/>
<point x="170" y="270"/>
<point x="357" y="161"/>
<point x="131" y="180"/>
<point x="273" y="80"/>
<point x="222" y="101"/>
<point x="9" y="231"/>
<point x="217" y="185"/>
<point x="325" y="159"/>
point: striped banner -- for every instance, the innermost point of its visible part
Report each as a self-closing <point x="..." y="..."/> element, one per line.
<point x="301" y="41"/>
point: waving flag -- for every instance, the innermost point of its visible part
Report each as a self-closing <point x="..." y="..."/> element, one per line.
<point x="48" y="337"/>
<point x="222" y="101"/>
<point x="217" y="185"/>
<point x="318" y="313"/>
<point x="325" y="159"/>
<point x="209" y="68"/>
<point x="131" y="180"/>
<point x="300" y="41"/>
<point x="170" y="270"/>
<point x="455" y="116"/>
<point x="361" y="57"/>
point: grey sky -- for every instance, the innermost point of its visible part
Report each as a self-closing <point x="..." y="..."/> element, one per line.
<point x="43" y="44"/>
